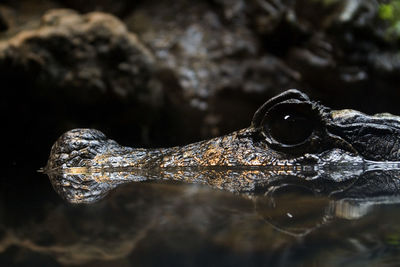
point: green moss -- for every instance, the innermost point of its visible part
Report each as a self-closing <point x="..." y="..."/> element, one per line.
<point x="390" y="12"/>
<point x="386" y="11"/>
<point x="393" y="239"/>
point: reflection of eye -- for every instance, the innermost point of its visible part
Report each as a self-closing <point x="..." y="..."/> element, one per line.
<point x="288" y="126"/>
<point x="293" y="208"/>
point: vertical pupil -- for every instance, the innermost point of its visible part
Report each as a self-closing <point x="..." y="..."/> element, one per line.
<point x="289" y="128"/>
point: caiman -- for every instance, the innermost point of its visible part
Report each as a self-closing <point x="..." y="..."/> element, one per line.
<point x="291" y="140"/>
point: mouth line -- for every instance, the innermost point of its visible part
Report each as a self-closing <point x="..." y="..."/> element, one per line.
<point x="217" y="168"/>
<point x="295" y="168"/>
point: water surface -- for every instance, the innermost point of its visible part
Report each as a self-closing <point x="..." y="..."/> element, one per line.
<point x="176" y="224"/>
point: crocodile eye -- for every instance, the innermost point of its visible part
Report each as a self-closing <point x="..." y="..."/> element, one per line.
<point x="288" y="126"/>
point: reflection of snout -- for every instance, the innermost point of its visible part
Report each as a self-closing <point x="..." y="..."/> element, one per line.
<point x="80" y="188"/>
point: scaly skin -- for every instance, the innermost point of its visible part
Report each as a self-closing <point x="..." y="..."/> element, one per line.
<point x="87" y="160"/>
<point x="84" y="165"/>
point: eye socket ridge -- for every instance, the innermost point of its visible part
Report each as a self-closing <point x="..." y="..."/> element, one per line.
<point x="290" y="124"/>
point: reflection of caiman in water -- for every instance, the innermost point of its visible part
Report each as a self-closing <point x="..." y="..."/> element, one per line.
<point x="188" y="225"/>
<point x="290" y="136"/>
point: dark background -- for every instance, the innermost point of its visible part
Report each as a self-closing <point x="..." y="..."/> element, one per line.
<point x="164" y="73"/>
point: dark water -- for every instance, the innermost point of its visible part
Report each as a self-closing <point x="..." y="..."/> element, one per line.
<point x="174" y="224"/>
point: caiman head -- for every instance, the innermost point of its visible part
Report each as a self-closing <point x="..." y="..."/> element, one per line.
<point x="290" y="136"/>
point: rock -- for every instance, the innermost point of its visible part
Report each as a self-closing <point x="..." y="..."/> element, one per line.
<point x="23" y="15"/>
<point x="77" y="71"/>
<point x="192" y="43"/>
<point x="102" y="56"/>
<point x="210" y="57"/>
<point x="3" y="23"/>
<point x="342" y="56"/>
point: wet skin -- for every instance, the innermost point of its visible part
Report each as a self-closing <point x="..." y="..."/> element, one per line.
<point x="290" y="136"/>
